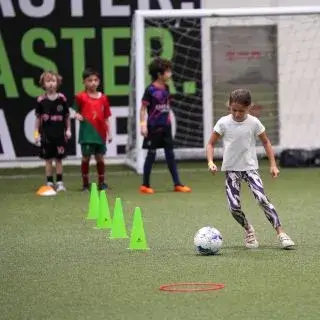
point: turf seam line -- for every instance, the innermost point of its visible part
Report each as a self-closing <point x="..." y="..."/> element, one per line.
<point x="112" y="173"/>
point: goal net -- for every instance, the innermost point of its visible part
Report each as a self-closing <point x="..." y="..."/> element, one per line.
<point x="275" y="52"/>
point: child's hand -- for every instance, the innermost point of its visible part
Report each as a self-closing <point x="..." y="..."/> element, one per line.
<point x="109" y="137"/>
<point x="274" y="171"/>
<point x="68" y="134"/>
<point x="37" y="138"/>
<point x="144" y="130"/>
<point x="212" y="167"/>
<point x="79" y="117"/>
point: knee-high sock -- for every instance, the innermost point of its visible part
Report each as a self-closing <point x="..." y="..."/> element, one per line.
<point x="171" y="162"/>
<point x="85" y="172"/>
<point x="150" y="158"/>
<point x="100" y="171"/>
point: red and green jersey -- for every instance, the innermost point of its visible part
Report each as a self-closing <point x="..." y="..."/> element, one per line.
<point x="95" y="111"/>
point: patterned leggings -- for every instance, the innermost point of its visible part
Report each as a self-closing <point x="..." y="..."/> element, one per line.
<point x="233" y="186"/>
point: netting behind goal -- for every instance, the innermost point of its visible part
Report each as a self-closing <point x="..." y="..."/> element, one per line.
<point x="276" y="57"/>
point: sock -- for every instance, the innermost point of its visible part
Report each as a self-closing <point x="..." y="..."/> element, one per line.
<point x="150" y="158"/>
<point x="100" y="171"/>
<point x="59" y="177"/>
<point x="171" y="162"/>
<point x="50" y="179"/>
<point x="85" y="173"/>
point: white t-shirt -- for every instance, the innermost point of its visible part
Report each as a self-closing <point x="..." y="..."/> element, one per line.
<point x="239" y="142"/>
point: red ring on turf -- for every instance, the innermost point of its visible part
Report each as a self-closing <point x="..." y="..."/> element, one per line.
<point x="204" y="286"/>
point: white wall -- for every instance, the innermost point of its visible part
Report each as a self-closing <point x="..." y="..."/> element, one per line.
<point x="257" y="3"/>
<point x="298" y="66"/>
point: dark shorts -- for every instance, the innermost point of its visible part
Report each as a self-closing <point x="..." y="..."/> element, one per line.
<point x="158" y="137"/>
<point x="89" y="149"/>
<point x="50" y="150"/>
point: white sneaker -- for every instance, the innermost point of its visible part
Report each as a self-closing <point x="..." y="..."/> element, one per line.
<point x="60" y="186"/>
<point x="250" y="240"/>
<point x="50" y="184"/>
<point x="285" y="241"/>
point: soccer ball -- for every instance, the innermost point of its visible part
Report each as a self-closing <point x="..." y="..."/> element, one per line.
<point x="208" y="241"/>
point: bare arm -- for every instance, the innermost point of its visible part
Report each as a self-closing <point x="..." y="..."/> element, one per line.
<point x="270" y="154"/>
<point x="76" y="108"/>
<point x="37" y="124"/>
<point x="68" y="123"/>
<point x="36" y="134"/>
<point x="143" y="114"/>
<point x="108" y="123"/>
<point x="210" y="151"/>
<point x="143" y="123"/>
<point x="268" y="147"/>
<point x="210" y="146"/>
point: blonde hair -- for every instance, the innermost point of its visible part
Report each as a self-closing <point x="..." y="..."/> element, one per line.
<point x="50" y="74"/>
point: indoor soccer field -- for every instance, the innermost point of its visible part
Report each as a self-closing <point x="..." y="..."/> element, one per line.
<point x="56" y="265"/>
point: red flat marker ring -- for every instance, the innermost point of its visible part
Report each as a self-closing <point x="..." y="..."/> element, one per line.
<point x="198" y="286"/>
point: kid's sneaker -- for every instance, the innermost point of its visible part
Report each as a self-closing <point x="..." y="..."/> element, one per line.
<point x="49" y="184"/>
<point x="146" y="189"/>
<point x="60" y="186"/>
<point x="182" y="188"/>
<point x="285" y="241"/>
<point x="103" y="186"/>
<point x="85" y="188"/>
<point x="250" y="240"/>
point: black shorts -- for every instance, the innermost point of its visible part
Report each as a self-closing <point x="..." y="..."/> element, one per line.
<point x="158" y="137"/>
<point x="50" y="150"/>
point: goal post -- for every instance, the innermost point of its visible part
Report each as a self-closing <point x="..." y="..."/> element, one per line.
<point x="273" y="51"/>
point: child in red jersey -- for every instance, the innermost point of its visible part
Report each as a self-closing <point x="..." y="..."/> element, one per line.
<point x="52" y="126"/>
<point x="93" y="111"/>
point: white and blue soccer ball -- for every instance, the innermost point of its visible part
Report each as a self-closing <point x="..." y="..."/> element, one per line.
<point x="208" y="241"/>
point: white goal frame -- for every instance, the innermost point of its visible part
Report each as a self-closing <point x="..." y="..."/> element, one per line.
<point x="139" y="27"/>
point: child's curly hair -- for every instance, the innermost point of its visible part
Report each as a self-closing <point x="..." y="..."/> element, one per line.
<point x="50" y="74"/>
<point x="159" y="66"/>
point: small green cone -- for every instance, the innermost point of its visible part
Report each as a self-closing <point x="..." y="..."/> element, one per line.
<point x="138" y="239"/>
<point x="118" y="230"/>
<point x="93" y="212"/>
<point x="104" y="218"/>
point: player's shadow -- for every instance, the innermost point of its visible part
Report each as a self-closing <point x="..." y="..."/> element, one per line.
<point x="240" y="251"/>
<point x="261" y="248"/>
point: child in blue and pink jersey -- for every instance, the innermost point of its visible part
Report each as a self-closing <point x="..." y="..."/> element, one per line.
<point x="157" y="129"/>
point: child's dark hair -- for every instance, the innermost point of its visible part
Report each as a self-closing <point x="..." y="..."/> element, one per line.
<point x="88" y="72"/>
<point x="240" y="96"/>
<point x="159" y="66"/>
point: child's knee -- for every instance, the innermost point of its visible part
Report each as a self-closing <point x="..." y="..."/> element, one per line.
<point x="85" y="158"/>
<point x="169" y="153"/>
<point x="235" y="208"/>
<point x="262" y="200"/>
<point x="99" y="157"/>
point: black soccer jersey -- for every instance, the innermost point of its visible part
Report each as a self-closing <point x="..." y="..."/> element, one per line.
<point x="157" y="100"/>
<point x="53" y="115"/>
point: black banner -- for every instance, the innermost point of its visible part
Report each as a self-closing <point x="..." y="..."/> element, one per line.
<point x="66" y="36"/>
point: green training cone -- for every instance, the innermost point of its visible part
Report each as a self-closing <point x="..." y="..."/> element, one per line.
<point x="138" y="239"/>
<point x="93" y="212"/>
<point x="118" y="230"/>
<point x="104" y="218"/>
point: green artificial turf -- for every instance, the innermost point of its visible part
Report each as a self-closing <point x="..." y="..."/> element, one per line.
<point x="55" y="265"/>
